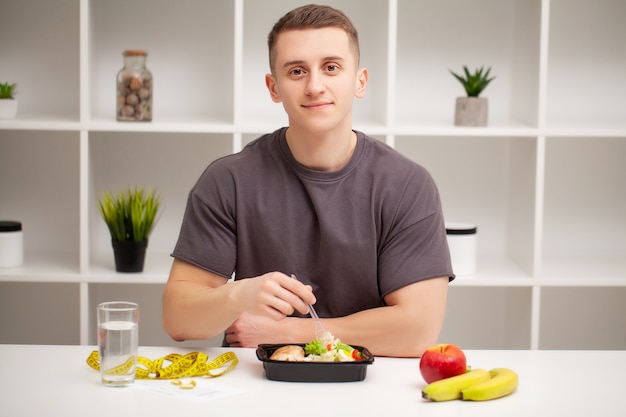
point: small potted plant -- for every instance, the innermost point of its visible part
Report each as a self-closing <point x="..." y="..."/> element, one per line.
<point x="8" y="102"/>
<point x="472" y="110"/>
<point x="130" y="216"/>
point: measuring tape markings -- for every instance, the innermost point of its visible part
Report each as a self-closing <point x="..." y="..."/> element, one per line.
<point x="180" y="366"/>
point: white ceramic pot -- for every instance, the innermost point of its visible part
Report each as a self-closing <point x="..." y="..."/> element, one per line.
<point x="462" y="241"/>
<point x="8" y="108"/>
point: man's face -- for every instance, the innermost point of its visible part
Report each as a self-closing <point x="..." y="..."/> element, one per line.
<point x="316" y="77"/>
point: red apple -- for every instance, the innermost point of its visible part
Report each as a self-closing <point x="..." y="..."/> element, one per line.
<point x="441" y="361"/>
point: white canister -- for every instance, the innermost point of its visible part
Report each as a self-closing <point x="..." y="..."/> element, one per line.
<point x="11" y="244"/>
<point x="462" y="242"/>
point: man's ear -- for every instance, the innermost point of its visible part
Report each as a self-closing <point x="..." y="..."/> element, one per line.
<point x="270" y="82"/>
<point x="361" y="83"/>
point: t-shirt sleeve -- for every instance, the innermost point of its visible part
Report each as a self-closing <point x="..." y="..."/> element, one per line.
<point x="415" y="248"/>
<point x="207" y="236"/>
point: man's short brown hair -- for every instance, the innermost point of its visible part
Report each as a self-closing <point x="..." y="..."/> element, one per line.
<point x="312" y="16"/>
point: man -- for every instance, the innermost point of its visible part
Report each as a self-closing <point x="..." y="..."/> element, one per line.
<point x="358" y="224"/>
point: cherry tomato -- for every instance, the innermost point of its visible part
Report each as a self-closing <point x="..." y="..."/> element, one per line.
<point x="356" y="355"/>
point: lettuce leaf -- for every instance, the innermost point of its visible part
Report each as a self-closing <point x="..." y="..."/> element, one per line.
<point x="314" y="348"/>
<point x="345" y="347"/>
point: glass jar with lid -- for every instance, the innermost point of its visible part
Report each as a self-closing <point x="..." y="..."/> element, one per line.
<point x="11" y="244"/>
<point x="134" y="88"/>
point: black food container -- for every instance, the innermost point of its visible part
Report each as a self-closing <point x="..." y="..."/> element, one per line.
<point x="313" y="371"/>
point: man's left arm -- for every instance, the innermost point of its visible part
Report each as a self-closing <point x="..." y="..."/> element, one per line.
<point x="408" y="325"/>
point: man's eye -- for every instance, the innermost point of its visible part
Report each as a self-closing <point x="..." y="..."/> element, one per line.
<point x="331" y="68"/>
<point x="296" y="71"/>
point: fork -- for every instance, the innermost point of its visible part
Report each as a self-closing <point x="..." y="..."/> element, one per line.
<point x="320" y="330"/>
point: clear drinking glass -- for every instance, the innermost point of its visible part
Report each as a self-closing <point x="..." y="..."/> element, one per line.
<point x="118" y="342"/>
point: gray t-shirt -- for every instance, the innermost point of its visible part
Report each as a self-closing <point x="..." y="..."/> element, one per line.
<point x="354" y="235"/>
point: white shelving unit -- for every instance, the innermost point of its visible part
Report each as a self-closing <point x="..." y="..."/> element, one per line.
<point x="544" y="181"/>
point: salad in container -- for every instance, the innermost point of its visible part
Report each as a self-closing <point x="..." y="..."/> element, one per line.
<point x="325" y="359"/>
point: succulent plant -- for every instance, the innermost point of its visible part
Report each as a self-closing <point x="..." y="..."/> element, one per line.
<point x="474" y="83"/>
<point x="129" y="215"/>
<point x="7" y="91"/>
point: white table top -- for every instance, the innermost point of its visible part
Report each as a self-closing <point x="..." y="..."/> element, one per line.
<point x="42" y="380"/>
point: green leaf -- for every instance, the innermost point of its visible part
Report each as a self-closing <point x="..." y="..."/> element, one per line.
<point x="314" y="348"/>
<point x="7" y="91"/>
<point x="474" y="83"/>
<point x="129" y="215"/>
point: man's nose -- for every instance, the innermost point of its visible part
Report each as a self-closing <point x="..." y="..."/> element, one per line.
<point x="315" y="84"/>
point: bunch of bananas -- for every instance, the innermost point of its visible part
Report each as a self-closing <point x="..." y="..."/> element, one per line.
<point x="474" y="385"/>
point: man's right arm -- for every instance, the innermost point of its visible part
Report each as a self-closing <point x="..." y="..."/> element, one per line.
<point x="198" y="304"/>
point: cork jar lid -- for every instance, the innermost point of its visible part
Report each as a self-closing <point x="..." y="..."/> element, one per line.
<point x="135" y="52"/>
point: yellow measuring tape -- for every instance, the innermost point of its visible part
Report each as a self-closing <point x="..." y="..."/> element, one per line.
<point x="176" y="365"/>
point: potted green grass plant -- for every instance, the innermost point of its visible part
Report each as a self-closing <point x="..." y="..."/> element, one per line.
<point x="472" y="110"/>
<point x="8" y="102"/>
<point x="130" y="216"/>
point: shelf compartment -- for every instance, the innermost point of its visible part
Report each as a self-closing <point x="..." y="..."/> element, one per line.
<point x="151" y="332"/>
<point x="170" y="163"/>
<point x="432" y="39"/>
<point x="50" y="316"/>
<point x="586" y="56"/>
<point x="257" y="108"/>
<point x="488" y="318"/>
<point x="486" y="181"/>
<point x="584" y="207"/>
<point x="582" y="318"/>
<point x="149" y="299"/>
<point x="190" y="55"/>
<point x="39" y="182"/>
<point x="42" y="57"/>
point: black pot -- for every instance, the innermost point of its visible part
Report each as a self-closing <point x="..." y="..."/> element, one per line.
<point x="129" y="255"/>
